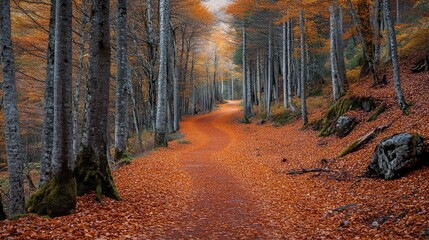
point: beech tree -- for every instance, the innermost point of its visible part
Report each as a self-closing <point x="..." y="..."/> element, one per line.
<point x="161" y="112"/>
<point x="15" y="161"/>
<point x="92" y="167"/>
<point x="57" y="197"/>
<point x="121" y="115"/>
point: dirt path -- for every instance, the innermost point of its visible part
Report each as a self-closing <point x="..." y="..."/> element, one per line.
<point x="227" y="180"/>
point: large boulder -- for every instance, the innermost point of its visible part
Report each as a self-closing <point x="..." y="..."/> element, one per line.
<point x="396" y="155"/>
<point x="345" y="125"/>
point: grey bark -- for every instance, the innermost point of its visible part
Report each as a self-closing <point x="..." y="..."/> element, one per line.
<point x="62" y="151"/>
<point x="303" y="100"/>
<point x="258" y="80"/>
<point x="78" y="81"/>
<point x="134" y="103"/>
<point x="395" y="62"/>
<point x="15" y="160"/>
<point x="289" y="64"/>
<point x="161" y="112"/>
<point x="333" y="55"/>
<point x="48" y="111"/>
<point x="176" y="114"/>
<point x="245" y="86"/>
<point x="152" y="62"/>
<point x="121" y="113"/>
<point x="377" y="30"/>
<point x="92" y="168"/>
<point x="340" y="51"/>
<point x="270" y="67"/>
<point x="284" y="62"/>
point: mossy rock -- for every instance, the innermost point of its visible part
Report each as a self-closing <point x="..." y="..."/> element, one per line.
<point x="2" y="213"/>
<point x="326" y="125"/>
<point x="56" y="198"/>
<point x="381" y="109"/>
<point x="285" y="117"/>
<point x="93" y="174"/>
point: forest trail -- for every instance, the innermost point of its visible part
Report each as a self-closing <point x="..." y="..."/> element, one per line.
<point x="228" y="180"/>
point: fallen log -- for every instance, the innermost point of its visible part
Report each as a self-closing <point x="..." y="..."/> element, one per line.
<point x="340" y="209"/>
<point x="307" y="170"/>
<point x="361" y="142"/>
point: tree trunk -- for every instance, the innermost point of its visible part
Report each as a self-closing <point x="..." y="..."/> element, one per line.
<point x="176" y="114"/>
<point x="58" y="196"/>
<point x="245" y="86"/>
<point x="395" y="62"/>
<point x="284" y="62"/>
<point x="135" y="110"/>
<point x="334" y="66"/>
<point x="368" y="59"/>
<point x="152" y="62"/>
<point x="377" y="30"/>
<point x="48" y="111"/>
<point x="15" y="161"/>
<point x="161" y="112"/>
<point x="92" y="168"/>
<point x="303" y="100"/>
<point x="270" y="67"/>
<point x="340" y="51"/>
<point x="121" y="113"/>
<point x="258" y="80"/>
<point x="78" y="82"/>
<point x="289" y="65"/>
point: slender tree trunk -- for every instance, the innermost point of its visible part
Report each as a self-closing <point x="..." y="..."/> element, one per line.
<point x="152" y="62"/>
<point x="376" y="26"/>
<point x="176" y="117"/>
<point x="92" y="168"/>
<point x="58" y="196"/>
<point x="135" y="110"/>
<point x="284" y="62"/>
<point x="303" y="100"/>
<point x="78" y="82"/>
<point x="333" y="47"/>
<point x="15" y="161"/>
<point x="340" y="51"/>
<point x="121" y="113"/>
<point x="395" y="62"/>
<point x="161" y="113"/>
<point x="245" y="86"/>
<point x="270" y="67"/>
<point x="398" y="21"/>
<point x="258" y="80"/>
<point x="368" y="59"/>
<point x="289" y="64"/>
<point x="48" y="111"/>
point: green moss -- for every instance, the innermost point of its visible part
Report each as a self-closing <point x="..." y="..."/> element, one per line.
<point x="2" y="213"/>
<point x="93" y="174"/>
<point x="184" y="142"/>
<point x="381" y="109"/>
<point x="285" y="117"/>
<point x="56" y="198"/>
<point x="246" y="120"/>
<point x="175" y="136"/>
<point x="349" y="149"/>
<point x="160" y="140"/>
<point x="326" y="125"/>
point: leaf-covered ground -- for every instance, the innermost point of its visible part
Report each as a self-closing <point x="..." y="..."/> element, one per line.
<point x="230" y="181"/>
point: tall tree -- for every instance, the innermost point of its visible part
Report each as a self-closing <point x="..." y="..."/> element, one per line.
<point x="161" y="112"/>
<point x="121" y="116"/>
<point x="303" y="100"/>
<point x="58" y="196"/>
<point x="14" y="157"/>
<point x="48" y="111"/>
<point x="394" y="51"/>
<point x="92" y="167"/>
<point x="289" y="64"/>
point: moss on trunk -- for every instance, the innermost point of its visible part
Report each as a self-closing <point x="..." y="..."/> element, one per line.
<point x="2" y="213"/>
<point x="93" y="174"/>
<point x="160" y="140"/>
<point x="326" y="125"/>
<point x="56" y="198"/>
<point x="377" y="113"/>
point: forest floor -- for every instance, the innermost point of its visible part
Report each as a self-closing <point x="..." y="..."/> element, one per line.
<point x="228" y="180"/>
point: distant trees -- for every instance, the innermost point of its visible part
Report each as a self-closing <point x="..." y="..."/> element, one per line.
<point x="269" y="27"/>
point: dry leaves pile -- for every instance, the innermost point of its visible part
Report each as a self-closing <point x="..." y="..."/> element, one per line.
<point x="231" y="182"/>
